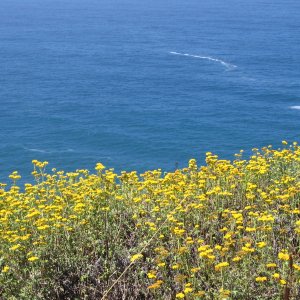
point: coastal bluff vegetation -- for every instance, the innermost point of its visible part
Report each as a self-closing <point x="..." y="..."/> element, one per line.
<point x="224" y="230"/>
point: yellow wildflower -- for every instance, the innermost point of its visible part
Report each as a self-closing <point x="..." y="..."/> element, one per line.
<point x="5" y="269"/>
<point x="261" y="279"/>
<point x="33" y="258"/>
<point x="15" y="247"/>
<point x="221" y="265"/>
<point x="283" y="255"/>
<point x="261" y="244"/>
<point x="180" y="295"/>
<point x="136" y="257"/>
<point x="282" y="282"/>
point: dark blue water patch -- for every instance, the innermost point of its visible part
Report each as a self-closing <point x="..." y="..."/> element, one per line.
<point x="83" y="82"/>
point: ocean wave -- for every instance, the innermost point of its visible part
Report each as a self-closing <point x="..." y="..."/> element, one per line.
<point x="36" y="150"/>
<point x="295" y="107"/>
<point x="47" y="151"/>
<point x="222" y="62"/>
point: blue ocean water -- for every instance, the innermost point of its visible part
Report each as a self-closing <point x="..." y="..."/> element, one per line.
<point x="139" y="85"/>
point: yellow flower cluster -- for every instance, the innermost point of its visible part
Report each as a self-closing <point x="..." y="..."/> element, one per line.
<point x="226" y="229"/>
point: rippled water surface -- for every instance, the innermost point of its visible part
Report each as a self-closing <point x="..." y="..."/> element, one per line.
<point x="145" y="84"/>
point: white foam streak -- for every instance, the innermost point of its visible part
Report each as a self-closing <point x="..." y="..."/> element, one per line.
<point x="222" y="62"/>
<point x="46" y="151"/>
<point x="36" y="150"/>
<point x="295" y="107"/>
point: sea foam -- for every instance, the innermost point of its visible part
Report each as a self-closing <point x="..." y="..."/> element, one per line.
<point x="47" y="151"/>
<point x="295" y="107"/>
<point x="222" y="62"/>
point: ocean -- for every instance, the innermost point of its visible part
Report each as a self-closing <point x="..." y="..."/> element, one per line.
<point x="139" y="85"/>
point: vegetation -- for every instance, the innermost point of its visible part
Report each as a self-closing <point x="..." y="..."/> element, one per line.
<point x="226" y="230"/>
